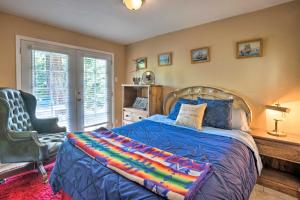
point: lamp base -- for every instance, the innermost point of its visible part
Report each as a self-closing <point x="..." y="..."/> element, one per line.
<point x="277" y="133"/>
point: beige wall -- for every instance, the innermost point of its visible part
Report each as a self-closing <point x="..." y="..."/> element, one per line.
<point x="261" y="81"/>
<point x="10" y="26"/>
<point x="275" y="76"/>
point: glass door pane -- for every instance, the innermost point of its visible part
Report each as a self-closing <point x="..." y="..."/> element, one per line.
<point x="96" y="104"/>
<point x="50" y="80"/>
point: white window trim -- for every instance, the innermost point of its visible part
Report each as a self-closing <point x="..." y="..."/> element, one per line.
<point x="19" y="65"/>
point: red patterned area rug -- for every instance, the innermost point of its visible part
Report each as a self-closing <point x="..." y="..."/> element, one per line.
<point x="28" y="186"/>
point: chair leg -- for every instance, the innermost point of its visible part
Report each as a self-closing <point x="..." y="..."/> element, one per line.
<point x="42" y="170"/>
<point x="2" y="181"/>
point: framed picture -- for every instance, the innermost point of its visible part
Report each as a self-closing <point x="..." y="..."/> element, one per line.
<point x="200" y="55"/>
<point x="249" y="48"/>
<point x="141" y="63"/>
<point x="165" y="59"/>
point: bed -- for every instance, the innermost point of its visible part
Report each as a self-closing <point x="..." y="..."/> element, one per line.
<point x="233" y="154"/>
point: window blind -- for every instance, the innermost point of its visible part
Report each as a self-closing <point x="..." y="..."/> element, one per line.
<point x="50" y="80"/>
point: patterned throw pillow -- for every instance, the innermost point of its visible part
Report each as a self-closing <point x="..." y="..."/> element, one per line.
<point x="140" y="103"/>
<point x="175" y="110"/>
<point x="218" y="113"/>
<point x="191" y="115"/>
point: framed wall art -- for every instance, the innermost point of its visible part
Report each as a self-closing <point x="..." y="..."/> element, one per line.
<point x="165" y="59"/>
<point x="141" y="63"/>
<point x="249" y="48"/>
<point x="200" y="55"/>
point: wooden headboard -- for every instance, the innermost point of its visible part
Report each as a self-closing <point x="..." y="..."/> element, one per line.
<point x="207" y="93"/>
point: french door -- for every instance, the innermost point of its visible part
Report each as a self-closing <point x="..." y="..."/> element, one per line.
<point x="94" y="94"/>
<point x="71" y="84"/>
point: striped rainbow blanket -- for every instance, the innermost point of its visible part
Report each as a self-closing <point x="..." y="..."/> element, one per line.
<point x="168" y="175"/>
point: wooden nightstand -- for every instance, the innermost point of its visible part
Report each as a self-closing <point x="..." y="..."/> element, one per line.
<point x="284" y="177"/>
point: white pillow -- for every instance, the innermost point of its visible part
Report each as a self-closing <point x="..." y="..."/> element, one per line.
<point x="191" y="115"/>
<point x="239" y="120"/>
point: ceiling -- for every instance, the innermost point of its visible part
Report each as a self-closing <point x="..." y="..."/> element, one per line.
<point x="109" y="19"/>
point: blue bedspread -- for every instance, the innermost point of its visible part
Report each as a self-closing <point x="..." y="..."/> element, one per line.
<point x="233" y="164"/>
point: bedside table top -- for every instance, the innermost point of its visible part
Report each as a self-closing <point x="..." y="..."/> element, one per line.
<point x="289" y="139"/>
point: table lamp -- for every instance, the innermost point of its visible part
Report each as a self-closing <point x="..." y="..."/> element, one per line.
<point x="283" y="110"/>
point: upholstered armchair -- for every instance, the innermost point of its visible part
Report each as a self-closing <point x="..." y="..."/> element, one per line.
<point x="23" y="137"/>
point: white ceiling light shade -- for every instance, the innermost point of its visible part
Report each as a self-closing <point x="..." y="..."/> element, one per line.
<point x="133" y="4"/>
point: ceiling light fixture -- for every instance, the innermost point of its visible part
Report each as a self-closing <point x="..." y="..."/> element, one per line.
<point x="133" y="4"/>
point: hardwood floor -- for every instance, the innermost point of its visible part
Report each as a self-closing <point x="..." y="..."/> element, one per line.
<point x="7" y="170"/>
<point x="9" y="167"/>
<point x="263" y="193"/>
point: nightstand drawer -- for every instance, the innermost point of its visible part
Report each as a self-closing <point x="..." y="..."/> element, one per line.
<point x="125" y="122"/>
<point x="130" y="116"/>
<point x="282" y="151"/>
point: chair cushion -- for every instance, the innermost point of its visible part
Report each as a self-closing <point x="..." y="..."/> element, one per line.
<point x="19" y="119"/>
<point x="53" y="140"/>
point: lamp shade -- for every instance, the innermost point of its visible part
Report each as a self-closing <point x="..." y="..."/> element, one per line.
<point x="277" y="107"/>
<point x="133" y="4"/>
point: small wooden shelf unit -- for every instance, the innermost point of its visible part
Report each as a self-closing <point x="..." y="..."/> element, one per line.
<point x="131" y="92"/>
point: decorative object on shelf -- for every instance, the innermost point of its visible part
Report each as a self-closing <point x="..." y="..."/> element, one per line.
<point x="249" y="48"/>
<point x="136" y="80"/>
<point x="148" y="77"/>
<point x="165" y="59"/>
<point x="133" y="4"/>
<point x="140" y="103"/>
<point x="137" y="76"/>
<point x="141" y="63"/>
<point x="283" y="110"/>
<point x="200" y="55"/>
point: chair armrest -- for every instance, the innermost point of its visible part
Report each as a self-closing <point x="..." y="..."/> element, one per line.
<point x="25" y="146"/>
<point x="15" y="136"/>
<point x="48" y="125"/>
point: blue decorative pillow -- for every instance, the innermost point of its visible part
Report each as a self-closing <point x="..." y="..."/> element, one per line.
<point x="218" y="113"/>
<point x="176" y="108"/>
